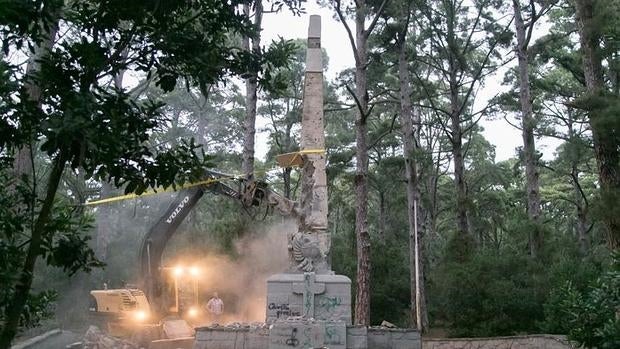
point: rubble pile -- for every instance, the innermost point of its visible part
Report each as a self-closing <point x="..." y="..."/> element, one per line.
<point x="96" y="339"/>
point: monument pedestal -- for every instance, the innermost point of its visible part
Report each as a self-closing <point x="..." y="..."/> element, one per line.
<point x="308" y="334"/>
<point x="325" y="297"/>
<point x="308" y="310"/>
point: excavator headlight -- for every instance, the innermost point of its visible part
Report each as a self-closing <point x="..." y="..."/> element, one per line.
<point x="140" y="315"/>
<point x="192" y="312"/>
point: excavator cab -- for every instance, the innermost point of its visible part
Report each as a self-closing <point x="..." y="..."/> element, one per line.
<point x="121" y="311"/>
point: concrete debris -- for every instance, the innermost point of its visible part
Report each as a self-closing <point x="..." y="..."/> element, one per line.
<point x="147" y="333"/>
<point x="96" y="339"/>
<point x="251" y="325"/>
<point x="387" y="324"/>
<point x="177" y="329"/>
<point x="177" y="343"/>
<point x="236" y="326"/>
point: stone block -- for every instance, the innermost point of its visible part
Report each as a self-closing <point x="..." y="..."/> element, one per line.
<point x="379" y="339"/>
<point x="177" y="329"/>
<point x="314" y="27"/>
<point x="305" y="334"/>
<point x="313" y="62"/>
<point x="177" y="343"/>
<point x="223" y="336"/>
<point x="357" y="337"/>
<point x="217" y="338"/>
<point x="393" y="338"/>
<point x="335" y="335"/>
<point x="255" y="340"/>
<point x="331" y="297"/>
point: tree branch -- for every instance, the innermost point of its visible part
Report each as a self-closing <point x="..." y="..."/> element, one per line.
<point x="348" y="29"/>
<point x="482" y="66"/>
<point x="372" y="25"/>
<point x="357" y="102"/>
<point x="387" y="132"/>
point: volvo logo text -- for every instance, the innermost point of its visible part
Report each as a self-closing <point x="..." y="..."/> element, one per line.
<point x="176" y="211"/>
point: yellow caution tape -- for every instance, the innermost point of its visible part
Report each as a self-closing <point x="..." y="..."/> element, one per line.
<point x="312" y="151"/>
<point x="153" y="192"/>
<point x="292" y="162"/>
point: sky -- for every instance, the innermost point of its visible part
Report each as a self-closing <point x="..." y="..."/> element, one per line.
<point x="335" y="41"/>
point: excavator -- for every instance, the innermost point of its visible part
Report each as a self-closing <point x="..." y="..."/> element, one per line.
<point x="136" y="306"/>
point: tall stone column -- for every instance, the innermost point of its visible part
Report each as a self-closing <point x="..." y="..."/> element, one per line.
<point x="313" y="224"/>
<point x="309" y="289"/>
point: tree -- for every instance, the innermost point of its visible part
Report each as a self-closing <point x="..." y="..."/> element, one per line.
<point x="251" y="89"/>
<point x="459" y="57"/>
<point x="80" y="123"/>
<point x="574" y="162"/>
<point x="359" y="45"/>
<point x="597" y="25"/>
<point x="524" y="33"/>
<point x="410" y="121"/>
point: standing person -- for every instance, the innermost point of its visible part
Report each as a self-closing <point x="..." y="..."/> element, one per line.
<point x="215" y="306"/>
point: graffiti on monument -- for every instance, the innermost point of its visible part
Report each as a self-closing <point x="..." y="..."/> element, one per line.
<point x="283" y="310"/>
<point x="329" y="304"/>
<point x="334" y="336"/>
<point x="292" y="341"/>
<point x="292" y="337"/>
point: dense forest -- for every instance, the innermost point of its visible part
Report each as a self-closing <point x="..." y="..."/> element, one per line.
<point x="105" y="98"/>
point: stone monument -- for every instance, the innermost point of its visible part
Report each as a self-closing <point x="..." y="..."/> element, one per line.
<point x="308" y="304"/>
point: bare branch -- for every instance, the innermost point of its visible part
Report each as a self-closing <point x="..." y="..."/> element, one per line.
<point x="473" y="29"/>
<point x="382" y="135"/>
<point x="357" y="101"/>
<point x="575" y="178"/>
<point x="348" y="29"/>
<point x="482" y="66"/>
<point x="372" y="25"/>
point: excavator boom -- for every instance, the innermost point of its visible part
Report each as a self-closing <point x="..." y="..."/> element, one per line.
<point x="248" y="192"/>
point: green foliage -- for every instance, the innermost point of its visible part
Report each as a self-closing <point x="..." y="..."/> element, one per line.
<point x="141" y="140"/>
<point x="39" y="307"/>
<point x="58" y="110"/>
<point x="589" y="316"/>
<point x="64" y="246"/>
<point x="496" y="292"/>
<point x="390" y="291"/>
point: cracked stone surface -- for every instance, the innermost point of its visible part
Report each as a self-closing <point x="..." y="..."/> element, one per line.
<point x="313" y="201"/>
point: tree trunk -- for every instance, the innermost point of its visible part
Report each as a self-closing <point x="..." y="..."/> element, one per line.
<point x="104" y="218"/>
<point x="251" y="88"/>
<point x="360" y="51"/>
<point x="581" y="201"/>
<point x="462" y="223"/>
<point x="18" y="301"/>
<point x="382" y="215"/>
<point x="104" y="212"/>
<point x="529" y="146"/>
<point x="410" y="125"/>
<point x="362" y="296"/>
<point x="603" y="130"/>
<point x="286" y="172"/>
<point x="582" y="222"/>
<point x="22" y="165"/>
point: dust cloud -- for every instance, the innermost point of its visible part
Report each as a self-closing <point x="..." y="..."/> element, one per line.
<point x="239" y="281"/>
